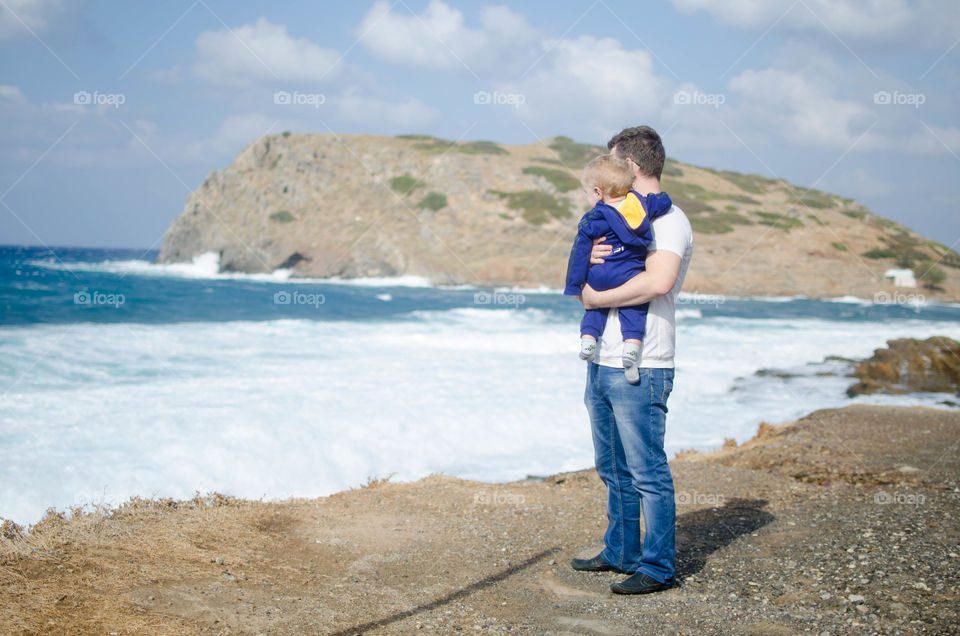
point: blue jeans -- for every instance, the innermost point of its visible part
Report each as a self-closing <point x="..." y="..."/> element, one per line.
<point x="628" y="422"/>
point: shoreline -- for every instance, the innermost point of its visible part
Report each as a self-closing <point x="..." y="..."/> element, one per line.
<point x="206" y="267"/>
<point x="946" y="402"/>
<point x="757" y="385"/>
<point x="766" y="531"/>
<point x="682" y="454"/>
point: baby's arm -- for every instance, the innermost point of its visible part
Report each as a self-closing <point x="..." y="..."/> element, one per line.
<point x="579" y="262"/>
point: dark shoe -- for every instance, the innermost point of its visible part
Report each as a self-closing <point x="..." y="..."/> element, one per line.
<point x="639" y="583"/>
<point x="596" y="564"/>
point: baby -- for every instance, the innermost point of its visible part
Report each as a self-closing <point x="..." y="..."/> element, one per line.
<point x="622" y="216"/>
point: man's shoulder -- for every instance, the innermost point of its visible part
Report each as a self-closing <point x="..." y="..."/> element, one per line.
<point x="673" y="220"/>
<point x="673" y="232"/>
<point x="675" y="212"/>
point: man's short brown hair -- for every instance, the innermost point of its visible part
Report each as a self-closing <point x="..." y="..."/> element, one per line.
<point x="643" y="146"/>
<point x="610" y="173"/>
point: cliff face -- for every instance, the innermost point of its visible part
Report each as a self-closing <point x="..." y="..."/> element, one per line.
<point x="481" y="213"/>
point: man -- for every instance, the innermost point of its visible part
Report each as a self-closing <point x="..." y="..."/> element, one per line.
<point x="628" y="420"/>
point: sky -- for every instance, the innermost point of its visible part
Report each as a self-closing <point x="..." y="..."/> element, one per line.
<point x="113" y="111"/>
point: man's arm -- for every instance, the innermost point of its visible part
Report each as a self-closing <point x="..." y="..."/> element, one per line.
<point x="663" y="267"/>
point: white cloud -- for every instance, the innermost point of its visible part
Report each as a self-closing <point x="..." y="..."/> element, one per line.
<point x="769" y="110"/>
<point x="590" y="86"/>
<point x="232" y="135"/>
<point x="165" y="75"/>
<point x="183" y="151"/>
<point x="933" y="140"/>
<point x="96" y="138"/>
<point x="797" y="110"/>
<point x="409" y="112"/>
<point x="261" y="53"/>
<point x="592" y="80"/>
<point x="38" y="15"/>
<point x="558" y="80"/>
<point x="438" y="39"/>
<point x="924" y="23"/>
<point x="11" y="93"/>
<point x="859" y="183"/>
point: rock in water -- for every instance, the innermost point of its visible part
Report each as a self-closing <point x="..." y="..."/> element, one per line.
<point x="908" y="365"/>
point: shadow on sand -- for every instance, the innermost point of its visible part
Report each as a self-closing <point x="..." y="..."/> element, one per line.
<point x="699" y="534"/>
<point x="464" y="591"/>
<point x="703" y="532"/>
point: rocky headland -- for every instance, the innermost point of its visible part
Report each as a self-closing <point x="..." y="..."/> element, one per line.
<point x="481" y="213"/>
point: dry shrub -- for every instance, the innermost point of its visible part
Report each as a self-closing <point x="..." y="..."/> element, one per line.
<point x="764" y="429"/>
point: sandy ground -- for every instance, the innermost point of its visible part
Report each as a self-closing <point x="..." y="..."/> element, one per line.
<point x="844" y="522"/>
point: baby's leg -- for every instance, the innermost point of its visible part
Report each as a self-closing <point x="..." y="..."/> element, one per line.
<point x="633" y="323"/>
<point x="588" y="348"/>
<point x="590" y="329"/>
<point x="631" y="359"/>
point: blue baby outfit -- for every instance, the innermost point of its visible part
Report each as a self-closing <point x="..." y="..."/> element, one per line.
<point x="628" y="230"/>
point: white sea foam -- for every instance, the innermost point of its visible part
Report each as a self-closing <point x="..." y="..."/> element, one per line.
<point x="849" y="300"/>
<point x="207" y="265"/>
<point x="377" y="281"/>
<point x="683" y="312"/>
<point x="97" y="413"/>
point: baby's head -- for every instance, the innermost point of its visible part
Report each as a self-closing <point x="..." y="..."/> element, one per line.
<point x="607" y="177"/>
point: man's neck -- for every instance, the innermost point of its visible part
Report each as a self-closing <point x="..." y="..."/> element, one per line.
<point x="646" y="185"/>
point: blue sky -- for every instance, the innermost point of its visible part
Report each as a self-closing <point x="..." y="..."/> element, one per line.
<point x="114" y="110"/>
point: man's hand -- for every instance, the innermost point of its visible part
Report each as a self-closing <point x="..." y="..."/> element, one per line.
<point x="599" y="251"/>
<point x="590" y="297"/>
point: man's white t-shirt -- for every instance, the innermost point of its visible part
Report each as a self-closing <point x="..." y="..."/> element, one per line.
<point x="671" y="232"/>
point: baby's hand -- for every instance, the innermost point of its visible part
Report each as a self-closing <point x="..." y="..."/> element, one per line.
<point x="599" y="251"/>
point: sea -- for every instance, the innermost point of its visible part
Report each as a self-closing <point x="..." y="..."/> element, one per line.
<point x="120" y="377"/>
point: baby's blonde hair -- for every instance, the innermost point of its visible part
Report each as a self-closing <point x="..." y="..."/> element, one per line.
<point x="610" y="173"/>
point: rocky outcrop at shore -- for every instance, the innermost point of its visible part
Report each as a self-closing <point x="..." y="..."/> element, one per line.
<point x="482" y="213"/>
<point x="908" y="365"/>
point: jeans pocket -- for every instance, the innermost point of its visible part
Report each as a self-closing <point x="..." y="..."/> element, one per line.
<point x="667" y="387"/>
